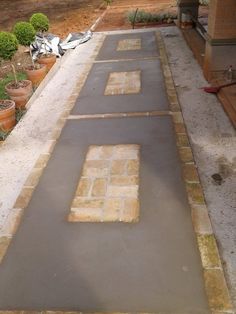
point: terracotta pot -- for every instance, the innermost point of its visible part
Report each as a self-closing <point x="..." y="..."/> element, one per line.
<point x="7" y="115"/>
<point x="36" y="75"/>
<point x="21" y="94"/>
<point x="49" y="60"/>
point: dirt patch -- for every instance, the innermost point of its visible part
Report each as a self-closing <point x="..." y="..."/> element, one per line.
<point x="116" y="16"/>
<point x="65" y="16"/>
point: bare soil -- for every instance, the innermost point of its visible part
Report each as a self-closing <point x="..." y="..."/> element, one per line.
<point x="65" y="17"/>
<point x="73" y="16"/>
<point x="116" y="16"/>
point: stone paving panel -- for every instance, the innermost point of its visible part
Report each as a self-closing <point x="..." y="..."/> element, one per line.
<point x="120" y="83"/>
<point x="152" y="95"/>
<point x="129" y="46"/>
<point x="108" y="188"/>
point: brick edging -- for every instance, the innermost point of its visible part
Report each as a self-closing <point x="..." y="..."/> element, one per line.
<point x="215" y="284"/>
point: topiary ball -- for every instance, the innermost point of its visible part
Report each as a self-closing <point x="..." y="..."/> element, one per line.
<point x="25" y="33"/>
<point x="8" y="45"/>
<point x="40" y="22"/>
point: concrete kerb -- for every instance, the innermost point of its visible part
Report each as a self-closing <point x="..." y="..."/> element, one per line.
<point x="48" y="77"/>
<point x="215" y="284"/>
<point x="93" y="27"/>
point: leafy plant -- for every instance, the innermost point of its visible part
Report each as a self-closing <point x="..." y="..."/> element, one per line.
<point x="25" y="33"/>
<point x="204" y="2"/>
<point x="3" y="134"/>
<point x="8" y="47"/>
<point x="19" y="114"/>
<point x="7" y="79"/>
<point x="40" y="22"/>
<point x="148" y="17"/>
<point x="107" y="2"/>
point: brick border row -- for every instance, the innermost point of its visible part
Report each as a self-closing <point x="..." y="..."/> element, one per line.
<point x="215" y="284"/>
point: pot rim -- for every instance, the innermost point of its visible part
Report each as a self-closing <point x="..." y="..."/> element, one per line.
<point x="11" y="106"/>
<point x="31" y="70"/>
<point x="29" y="83"/>
<point x="50" y="55"/>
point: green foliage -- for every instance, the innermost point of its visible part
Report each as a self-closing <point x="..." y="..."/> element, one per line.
<point x="204" y="2"/>
<point x="19" y="114"/>
<point x="25" y="33"/>
<point x="7" y="79"/>
<point x="107" y="2"/>
<point x="148" y="17"/>
<point x="8" y="45"/>
<point x="3" y="134"/>
<point x="40" y="22"/>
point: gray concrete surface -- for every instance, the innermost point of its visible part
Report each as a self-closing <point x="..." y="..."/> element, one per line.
<point x="213" y="141"/>
<point x="150" y="266"/>
<point x="152" y="96"/>
<point x="149" y="47"/>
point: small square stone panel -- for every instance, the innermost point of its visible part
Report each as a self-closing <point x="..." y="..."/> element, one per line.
<point x="120" y="83"/>
<point x="108" y="188"/>
<point x="129" y="44"/>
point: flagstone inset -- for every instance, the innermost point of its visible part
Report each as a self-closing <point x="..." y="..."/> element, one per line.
<point x="120" y="83"/>
<point x="108" y="188"/>
<point x="129" y="44"/>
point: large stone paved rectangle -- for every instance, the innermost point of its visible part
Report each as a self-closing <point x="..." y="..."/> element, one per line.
<point x="152" y="95"/>
<point x="111" y="48"/>
<point x="151" y="266"/>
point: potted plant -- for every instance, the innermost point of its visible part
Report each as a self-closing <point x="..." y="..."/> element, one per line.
<point x="40" y="23"/>
<point x="108" y="2"/>
<point x="7" y="116"/>
<point x="8" y="47"/>
<point x="25" y="34"/>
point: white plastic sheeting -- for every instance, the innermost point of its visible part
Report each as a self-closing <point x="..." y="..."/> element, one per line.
<point x="53" y="44"/>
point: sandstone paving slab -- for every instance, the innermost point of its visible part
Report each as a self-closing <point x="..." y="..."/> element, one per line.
<point x="145" y="95"/>
<point x="150" y="266"/>
<point x="129" y="46"/>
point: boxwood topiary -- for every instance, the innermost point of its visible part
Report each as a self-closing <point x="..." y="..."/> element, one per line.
<point x="8" y="45"/>
<point x="25" y="33"/>
<point x="40" y="22"/>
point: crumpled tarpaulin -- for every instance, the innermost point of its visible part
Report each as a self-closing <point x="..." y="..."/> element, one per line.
<point x="53" y="44"/>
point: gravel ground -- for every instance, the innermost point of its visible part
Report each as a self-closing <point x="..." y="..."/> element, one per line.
<point x="214" y="144"/>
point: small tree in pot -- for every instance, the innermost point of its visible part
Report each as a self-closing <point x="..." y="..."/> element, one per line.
<point x="25" y="33"/>
<point x="8" y="47"/>
<point x="40" y="22"/>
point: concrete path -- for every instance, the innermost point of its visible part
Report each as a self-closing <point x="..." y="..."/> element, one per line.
<point x="108" y="227"/>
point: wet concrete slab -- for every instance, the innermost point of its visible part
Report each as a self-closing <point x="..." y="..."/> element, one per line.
<point x="152" y="95"/>
<point x="148" y="266"/>
<point x="110" y="49"/>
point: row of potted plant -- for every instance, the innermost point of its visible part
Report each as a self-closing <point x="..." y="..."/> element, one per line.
<point x="19" y="92"/>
